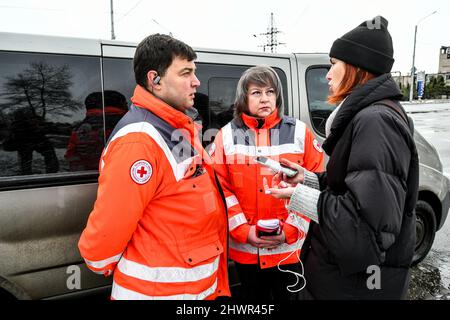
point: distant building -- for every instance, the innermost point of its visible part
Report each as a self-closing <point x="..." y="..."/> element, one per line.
<point x="404" y="81"/>
<point x="429" y="76"/>
<point x="444" y="64"/>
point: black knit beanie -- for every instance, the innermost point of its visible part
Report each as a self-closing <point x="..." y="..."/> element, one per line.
<point x="368" y="46"/>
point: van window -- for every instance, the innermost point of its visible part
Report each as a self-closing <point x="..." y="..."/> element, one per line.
<point x="119" y="84"/>
<point x="219" y="83"/>
<point x="216" y="94"/>
<point x="45" y="126"/>
<point x="317" y="91"/>
<point x="214" y="98"/>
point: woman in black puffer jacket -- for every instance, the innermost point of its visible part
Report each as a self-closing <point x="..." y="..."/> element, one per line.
<point x="363" y="244"/>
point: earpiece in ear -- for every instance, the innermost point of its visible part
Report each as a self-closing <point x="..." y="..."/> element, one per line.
<point x="156" y="80"/>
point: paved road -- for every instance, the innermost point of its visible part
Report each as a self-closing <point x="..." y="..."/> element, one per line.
<point x="431" y="278"/>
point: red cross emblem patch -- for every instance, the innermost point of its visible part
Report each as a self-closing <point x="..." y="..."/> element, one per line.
<point x="317" y="146"/>
<point x="141" y="171"/>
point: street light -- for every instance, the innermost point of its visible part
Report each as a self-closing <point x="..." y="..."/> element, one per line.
<point x="411" y="90"/>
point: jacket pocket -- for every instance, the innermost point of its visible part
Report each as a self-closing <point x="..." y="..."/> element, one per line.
<point x="209" y="202"/>
<point x="203" y="253"/>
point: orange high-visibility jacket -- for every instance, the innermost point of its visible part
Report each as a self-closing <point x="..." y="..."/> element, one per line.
<point x="159" y="222"/>
<point x="236" y="146"/>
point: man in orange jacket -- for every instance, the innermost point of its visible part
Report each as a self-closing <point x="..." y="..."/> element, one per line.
<point x="159" y="222"/>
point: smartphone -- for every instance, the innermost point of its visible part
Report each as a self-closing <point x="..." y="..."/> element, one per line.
<point x="276" y="166"/>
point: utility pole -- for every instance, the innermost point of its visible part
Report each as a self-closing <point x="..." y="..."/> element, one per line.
<point x="413" y="68"/>
<point x="271" y="36"/>
<point x="113" y="36"/>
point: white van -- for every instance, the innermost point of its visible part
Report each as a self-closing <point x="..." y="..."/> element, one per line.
<point x="60" y="99"/>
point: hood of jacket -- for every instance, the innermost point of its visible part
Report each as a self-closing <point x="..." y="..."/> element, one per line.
<point x="379" y="88"/>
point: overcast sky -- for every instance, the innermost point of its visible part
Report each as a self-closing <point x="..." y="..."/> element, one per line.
<point x="306" y="25"/>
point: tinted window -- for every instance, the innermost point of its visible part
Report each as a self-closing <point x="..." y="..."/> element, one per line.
<point x="218" y="91"/>
<point x="317" y="90"/>
<point x="43" y="114"/>
<point x="214" y="98"/>
<point x="118" y="75"/>
<point x="119" y="84"/>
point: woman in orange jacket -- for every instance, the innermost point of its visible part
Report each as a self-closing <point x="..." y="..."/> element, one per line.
<point x="259" y="128"/>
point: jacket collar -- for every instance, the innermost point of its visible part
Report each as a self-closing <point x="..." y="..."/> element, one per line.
<point x="177" y="119"/>
<point x="268" y="122"/>
<point x="379" y="88"/>
<point x="144" y="99"/>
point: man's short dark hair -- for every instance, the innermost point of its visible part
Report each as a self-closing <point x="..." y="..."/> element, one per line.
<point x="156" y="52"/>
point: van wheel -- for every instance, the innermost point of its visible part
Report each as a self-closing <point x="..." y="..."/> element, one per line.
<point x="425" y="230"/>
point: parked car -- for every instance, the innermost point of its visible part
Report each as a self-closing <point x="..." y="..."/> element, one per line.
<point x="60" y="98"/>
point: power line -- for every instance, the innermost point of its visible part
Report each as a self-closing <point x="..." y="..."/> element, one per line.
<point x="30" y="8"/>
<point x="170" y="33"/>
<point x="153" y="21"/>
<point x="129" y="11"/>
<point x="113" y="36"/>
<point x="301" y="14"/>
<point x="271" y="36"/>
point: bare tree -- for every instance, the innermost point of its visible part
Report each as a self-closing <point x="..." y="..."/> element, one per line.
<point x="43" y="89"/>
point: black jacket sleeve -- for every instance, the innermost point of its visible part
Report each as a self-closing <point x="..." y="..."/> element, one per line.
<point x="361" y="224"/>
<point x="322" y="176"/>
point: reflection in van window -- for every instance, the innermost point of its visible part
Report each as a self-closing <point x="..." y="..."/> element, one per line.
<point x="118" y="75"/>
<point x="214" y="98"/>
<point x="218" y="90"/>
<point x="118" y="80"/>
<point x="222" y="92"/>
<point x="317" y="91"/>
<point x="87" y="139"/>
<point x="42" y="101"/>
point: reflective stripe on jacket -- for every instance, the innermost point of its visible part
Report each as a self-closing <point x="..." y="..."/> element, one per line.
<point x="159" y="222"/>
<point x="236" y="146"/>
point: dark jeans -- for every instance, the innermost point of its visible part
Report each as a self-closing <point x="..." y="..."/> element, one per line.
<point x="267" y="284"/>
<point x="46" y="149"/>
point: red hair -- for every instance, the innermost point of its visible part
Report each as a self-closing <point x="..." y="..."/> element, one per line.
<point x="353" y="77"/>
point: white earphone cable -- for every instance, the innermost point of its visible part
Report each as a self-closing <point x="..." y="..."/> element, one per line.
<point x="298" y="222"/>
